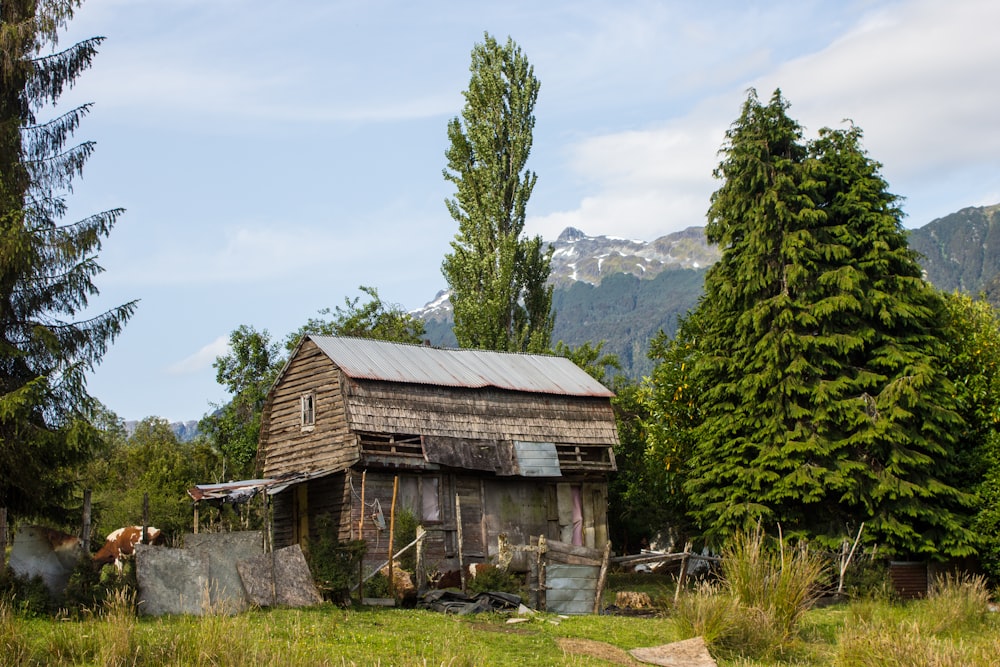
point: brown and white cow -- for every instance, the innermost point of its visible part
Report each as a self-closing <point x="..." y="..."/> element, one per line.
<point x="121" y="543"/>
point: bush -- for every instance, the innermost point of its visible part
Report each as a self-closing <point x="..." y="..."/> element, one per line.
<point x="377" y="586"/>
<point x="405" y="531"/>
<point x="27" y="596"/>
<point x="492" y="578"/>
<point x="334" y="564"/>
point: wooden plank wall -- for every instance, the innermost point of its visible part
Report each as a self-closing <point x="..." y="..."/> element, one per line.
<point x="329" y="495"/>
<point x="328" y="445"/>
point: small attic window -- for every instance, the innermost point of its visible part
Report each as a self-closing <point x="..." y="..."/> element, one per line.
<point x="308" y="410"/>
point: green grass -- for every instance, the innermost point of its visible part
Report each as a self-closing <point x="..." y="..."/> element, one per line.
<point x="950" y="628"/>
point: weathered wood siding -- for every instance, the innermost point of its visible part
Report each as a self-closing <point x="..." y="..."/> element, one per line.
<point x="328" y="445"/>
<point x="297" y="510"/>
<point x="439" y="545"/>
<point x="479" y="414"/>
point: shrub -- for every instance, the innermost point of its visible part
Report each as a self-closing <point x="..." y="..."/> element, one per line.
<point x="405" y="531"/>
<point x="27" y="596"/>
<point x="495" y="579"/>
<point x="334" y="564"/>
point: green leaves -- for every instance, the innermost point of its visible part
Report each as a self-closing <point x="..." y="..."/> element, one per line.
<point x="47" y="267"/>
<point x="819" y="351"/>
<point x="497" y="278"/>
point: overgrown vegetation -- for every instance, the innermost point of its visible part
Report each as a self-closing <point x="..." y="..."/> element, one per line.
<point x="756" y="608"/>
<point x="335" y="565"/>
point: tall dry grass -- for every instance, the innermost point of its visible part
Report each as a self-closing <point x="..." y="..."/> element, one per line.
<point x="14" y="650"/>
<point x="756" y="608"/>
<point x="779" y="581"/>
<point x="948" y="629"/>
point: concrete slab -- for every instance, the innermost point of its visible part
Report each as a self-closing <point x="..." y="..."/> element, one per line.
<point x="172" y="581"/>
<point x="224" y="551"/>
<point x="280" y="578"/>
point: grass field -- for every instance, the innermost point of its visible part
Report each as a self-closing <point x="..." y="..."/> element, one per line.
<point x="954" y="629"/>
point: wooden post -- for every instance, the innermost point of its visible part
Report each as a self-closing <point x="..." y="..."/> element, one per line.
<point x="602" y="577"/>
<point x="458" y="525"/>
<point x="419" y="568"/>
<point x="3" y="537"/>
<point x="533" y="585"/>
<point x="85" y="529"/>
<point x="392" y="529"/>
<point x="145" y="518"/>
<point x="542" y="550"/>
<point x="196" y="521"/>
<point x="683" y="573"/>
<point x="361" y="520"/>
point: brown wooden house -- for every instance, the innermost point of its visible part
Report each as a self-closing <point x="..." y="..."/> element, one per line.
<point x="518" y="444"/>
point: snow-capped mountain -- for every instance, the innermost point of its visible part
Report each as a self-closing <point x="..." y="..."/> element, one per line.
<point x="581" y="258"/>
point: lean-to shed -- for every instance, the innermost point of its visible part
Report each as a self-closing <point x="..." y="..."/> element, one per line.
<point x="512" y="443"/>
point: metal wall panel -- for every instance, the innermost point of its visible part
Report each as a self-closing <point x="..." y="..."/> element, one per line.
<point x="570" y="589"/>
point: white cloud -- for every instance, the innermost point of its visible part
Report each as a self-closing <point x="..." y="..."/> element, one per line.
<point x="917" y="77"/>
<point x="202" y="359"/>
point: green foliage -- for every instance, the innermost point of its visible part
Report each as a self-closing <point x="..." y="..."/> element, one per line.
<point x="151" y="462"/>
<point x="590" y="358"/>
<point x="27" y="596"/>
<point x="247" y="371"/>
<point x="819" y="348"/>
<point x="497" y="278"/>
<point x="495" y="579"/>
<point x="655" y="422"/>
<point x="405" y="532"/>
<point x="973" y="364"/>
<point x="374" y="319"/>
<point x="47" y="268"/>
<point x="334" y="564"/>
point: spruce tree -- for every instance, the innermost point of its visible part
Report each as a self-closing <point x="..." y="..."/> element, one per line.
<point x="48" y="339"/>
<point x="497" y="277"/>
<point x="822" y="405"/>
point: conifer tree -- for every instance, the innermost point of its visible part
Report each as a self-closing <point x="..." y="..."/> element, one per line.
<point x="822" y="403"/>
<point x="47" y="268"/>
<point x="497" y="278"/>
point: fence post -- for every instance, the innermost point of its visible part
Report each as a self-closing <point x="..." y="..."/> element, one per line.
<point x="85" y="531"/>
<point x="3" y="537"/>
<point x="419" y="568"/>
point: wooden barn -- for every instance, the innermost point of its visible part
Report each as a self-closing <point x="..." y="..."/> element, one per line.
<point x="512" y="444"/>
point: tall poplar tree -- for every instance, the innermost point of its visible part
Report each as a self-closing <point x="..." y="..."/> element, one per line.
<point x="497" y="277"/>
<point x="47" y="268"/>
<point x="823" y="404"/>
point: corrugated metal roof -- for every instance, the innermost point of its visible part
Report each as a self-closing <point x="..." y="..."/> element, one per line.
<point x="366" y="359"/>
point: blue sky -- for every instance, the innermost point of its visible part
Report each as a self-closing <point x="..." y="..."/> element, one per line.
<point x="272" y="157"/>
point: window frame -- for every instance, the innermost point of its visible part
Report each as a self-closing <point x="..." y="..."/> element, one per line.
<point x="307" y="410"/>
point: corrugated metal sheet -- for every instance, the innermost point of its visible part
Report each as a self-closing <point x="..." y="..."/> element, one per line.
<point x="399" y="362"/>
<point x="570" y="589"/>
<point x="537" y="459"/>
